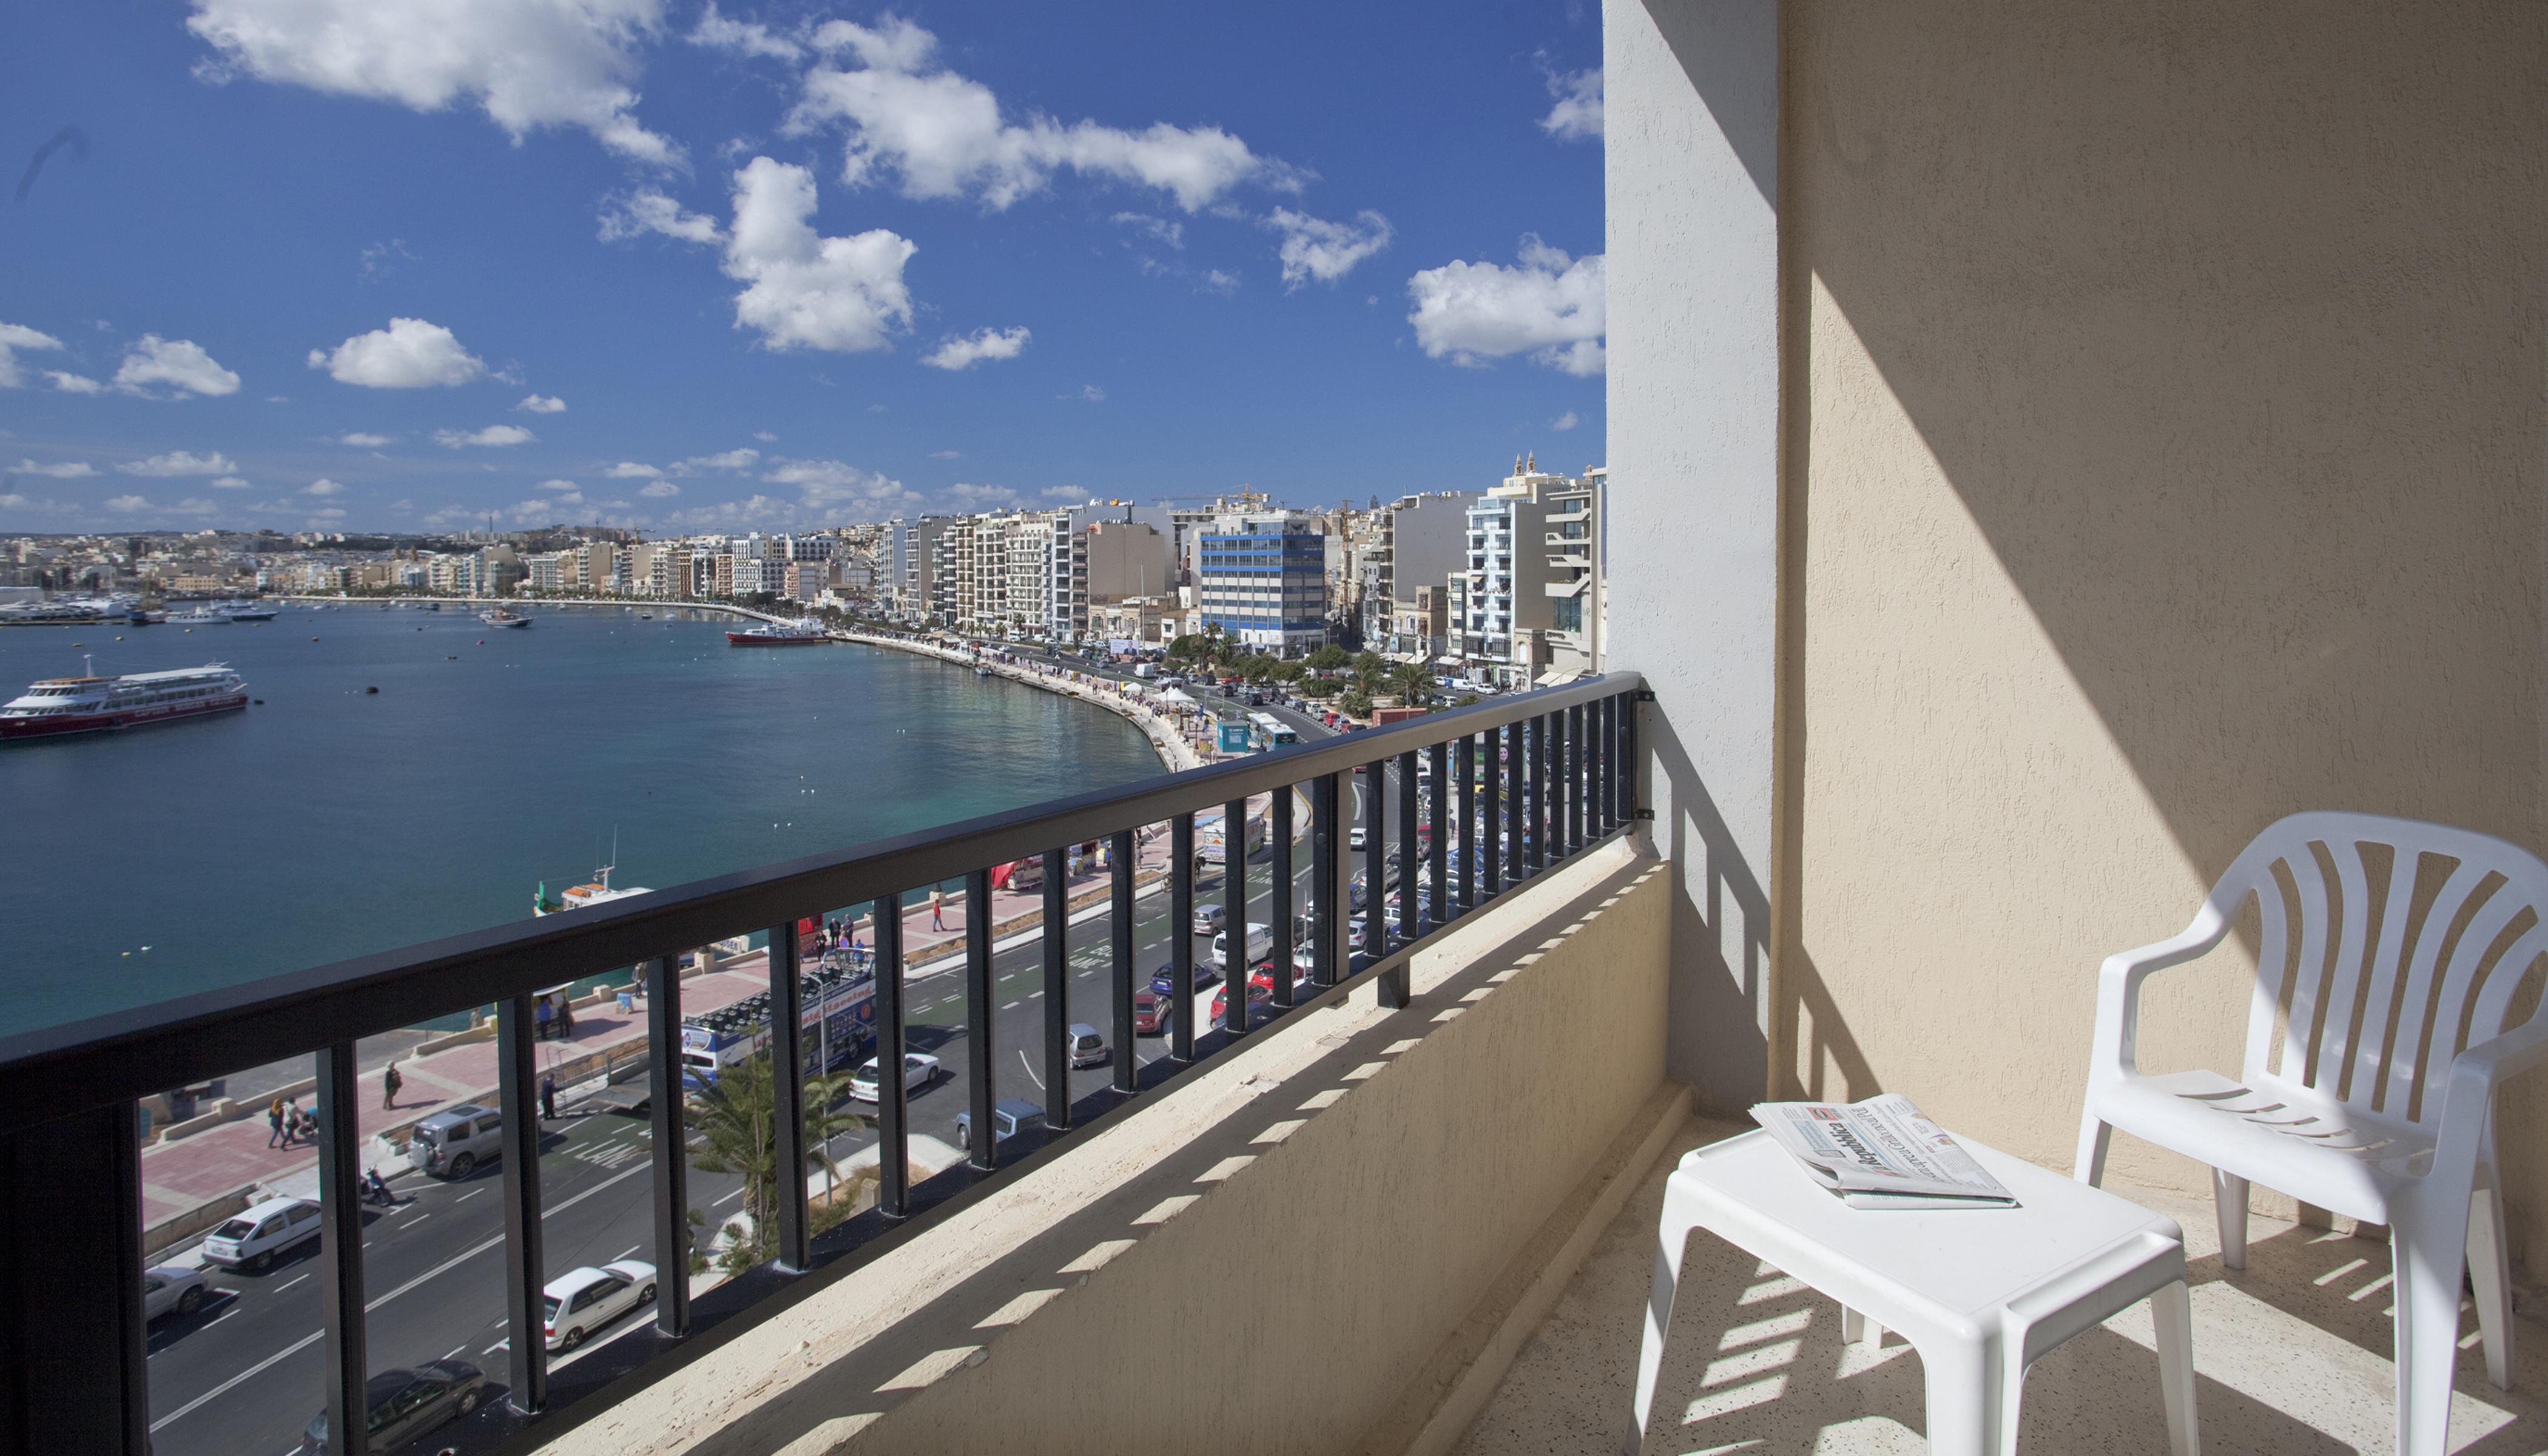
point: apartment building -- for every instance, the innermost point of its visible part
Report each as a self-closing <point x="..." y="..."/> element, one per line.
<point x="1262" y="580"/>
<point x="1508" y="572"/>
<point x="1413" y="542"/>
<point x="1575" y="587"/>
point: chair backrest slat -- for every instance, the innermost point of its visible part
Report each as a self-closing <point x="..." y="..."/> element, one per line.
<point x="2373" y="1022"/>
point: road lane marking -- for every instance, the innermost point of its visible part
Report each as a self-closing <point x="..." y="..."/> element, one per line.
<point x="729" y="1198"/>
<point x="471" y="1193"/>
<point x="1030" y="1066"/>
<point x="306" y="1341"/>
<point x="296" y="1279"/>
<point x="498" y="1345"/>
<point x="625" y="1252"/>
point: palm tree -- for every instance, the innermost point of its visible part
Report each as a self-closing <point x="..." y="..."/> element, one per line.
<point x="734" y="1132"/>
<point x="1413" y="685"/>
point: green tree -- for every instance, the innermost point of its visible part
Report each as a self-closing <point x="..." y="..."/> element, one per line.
<point x="734" y="1131"/>
<point x="1288" y="672"/>
<point x="1328" y="658"/>
<point x="1357" y="704"/>
<point x="1369" y="662"/>
<point x="1186" y="648"/>
<point x="1413" y="685"/>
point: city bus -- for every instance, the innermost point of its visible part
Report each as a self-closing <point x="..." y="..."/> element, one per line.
<point x="1273" y="732"/>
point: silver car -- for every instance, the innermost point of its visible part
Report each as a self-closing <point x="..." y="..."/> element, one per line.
<point x="172" y="1289"/>
<point x="452" y="1144"/>
<point x="257" y="1236"/>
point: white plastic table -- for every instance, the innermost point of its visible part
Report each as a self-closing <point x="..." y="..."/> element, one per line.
<point x="1982" y="1293"/>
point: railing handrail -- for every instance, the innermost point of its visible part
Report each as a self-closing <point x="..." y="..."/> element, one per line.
<point x="121" y="1056"/>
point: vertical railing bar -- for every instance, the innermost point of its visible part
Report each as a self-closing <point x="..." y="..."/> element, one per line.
<point x="1517" y="802"/>
<point x="1056" y="989"/>
<point x="1375" y="860"/>
<point x="525" y="1262"/>
<point x="1327" y="895"/>
<point x="1574" y="756"/>
<point x="1439" y="760"/>
<point x="1490" y="828"/>
<point x="787" y="1149"/>
<point x="1125" y="855"/>
<point x="1598" y="774"/>
<point x="978" y="1005"/>
<point x="1411" y="850"/>
<point x="672" y="1177"/>
<point x="1235" y="966"/>
<point x="1469" y="840"/>
<point x="340" y="1251"/>
<point x="1181" y="939"/>
<point x="1280" y="911"/>
<point x="1540" y="815"/>
<point x="893" y="1099"/>
<point x="1391" y="990"/>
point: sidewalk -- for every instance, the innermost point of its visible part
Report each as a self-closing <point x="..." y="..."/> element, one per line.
<point x="182" y="1176"/>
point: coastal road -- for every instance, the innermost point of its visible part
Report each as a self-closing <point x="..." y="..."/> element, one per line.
<point x="241" y="1376"/>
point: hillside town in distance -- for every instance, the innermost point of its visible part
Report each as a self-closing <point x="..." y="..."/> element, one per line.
<point x="1453" y="591"/>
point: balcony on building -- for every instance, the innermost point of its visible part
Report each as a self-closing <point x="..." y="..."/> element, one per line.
<point x="2048" y="445"/>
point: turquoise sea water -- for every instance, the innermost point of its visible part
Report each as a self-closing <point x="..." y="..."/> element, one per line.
<point x="330" y="822"/>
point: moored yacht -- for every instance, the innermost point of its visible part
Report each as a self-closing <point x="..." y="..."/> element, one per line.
<point x="802" y="632"/>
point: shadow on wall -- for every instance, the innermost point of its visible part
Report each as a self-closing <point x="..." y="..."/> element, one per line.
<point x="2220" y="333"/>
<point x="1720" y="936"/>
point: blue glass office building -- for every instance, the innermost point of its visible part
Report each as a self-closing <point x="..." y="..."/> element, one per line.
<point x="1264" y="583"/>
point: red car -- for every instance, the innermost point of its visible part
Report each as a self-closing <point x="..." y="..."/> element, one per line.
<point x="1149" y="1013"/>
<point x="1261" y="993"/>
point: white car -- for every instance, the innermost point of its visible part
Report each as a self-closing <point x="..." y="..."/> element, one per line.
<point x="1260" y="943"/>
<point x="255" y="1239"/>
<point x="919" y="1070"/>
<point x="168" y="1288"/>
<point x="582" y="1301"/>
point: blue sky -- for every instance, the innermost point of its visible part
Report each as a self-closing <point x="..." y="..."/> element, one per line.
<point x="342" y="262"/>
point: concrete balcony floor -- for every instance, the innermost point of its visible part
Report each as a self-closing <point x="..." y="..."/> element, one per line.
<point x="2293" y="1352"/>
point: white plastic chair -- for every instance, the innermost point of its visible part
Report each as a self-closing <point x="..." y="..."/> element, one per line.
<point x="2372" y="1094"/>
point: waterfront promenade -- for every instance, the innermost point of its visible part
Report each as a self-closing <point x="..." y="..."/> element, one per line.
<point x="220" y="1163"/>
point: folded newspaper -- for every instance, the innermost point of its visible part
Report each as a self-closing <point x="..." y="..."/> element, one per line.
<point x="1881" y="1154"/>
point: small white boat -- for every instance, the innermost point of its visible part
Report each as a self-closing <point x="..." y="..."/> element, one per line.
<point x="501" y="617"/>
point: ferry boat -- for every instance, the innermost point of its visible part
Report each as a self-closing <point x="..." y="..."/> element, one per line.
<point x="59" y="705"/>
<point x="252" y="611"/>
<point x="802" y="632"/>
<point x="501" y="617"/>
<point x="195" y="615"/>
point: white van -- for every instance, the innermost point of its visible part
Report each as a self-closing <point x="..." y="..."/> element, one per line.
<point x="256" y="1238"/>
<point x="1260" y="943"/>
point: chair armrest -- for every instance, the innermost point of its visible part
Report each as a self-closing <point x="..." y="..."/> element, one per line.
<point x="2474" y="1073"/>
<point x="2114" y="1050"/>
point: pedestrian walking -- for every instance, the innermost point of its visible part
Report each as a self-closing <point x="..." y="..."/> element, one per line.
<point x="390" y="1081"/>
<point x="540" y="1014"/>
<point x="548" y="1097"/>
<point x="274" y="1123"/>
<point x="291" y="1120"/>
<point x="937" y="909"/>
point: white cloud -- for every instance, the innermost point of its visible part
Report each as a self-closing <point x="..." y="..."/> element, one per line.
<point x="322" y="488"/>
<point x="494" y="434"/>
<point x="629" y="470"/>
<point x="74" y="383"/>
<point x="195" y="506"/>
<point x="832" y="485"/>
<point x="743" y="38"/>
<point x="647" y="210"/>
<point x="1216" y="281"/>
<point x="528" y="65"/>
<point x="127" y="504"/>
<point x="410" y="354"/>
<point x="14" y="502"/>
<point x="964" y="351"/>
<point x="557" y="486"/>
<point x="804" y="290"/>
<point x="736" y="460"/>
<point x="326" y="515"/>
<point x="946" y="454"/>
<point x="1567" y="421"/>
<point x="180" y="365"/>
<point x="764" y="438"/>
<point x="180" y="462"/>
<point x="15" y="337"/>
<point x="1165" y="229"/>
<point x="66" y="470"/>
<point x="231" y="483"/>
<point x="543" y="405"/>
<point x="361" y="440"/>
<point x="1314" y="249"/>
<point x="658" y="490"/>
<point x="1549" y="307"/>
<point x="1089" y="391"/>
<point x="944" y="136"/>
<point x="1576" y="116"/>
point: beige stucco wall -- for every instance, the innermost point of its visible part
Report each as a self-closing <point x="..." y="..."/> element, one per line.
<point x="2164" y="454"/>
<point x="1336" y="1263"/>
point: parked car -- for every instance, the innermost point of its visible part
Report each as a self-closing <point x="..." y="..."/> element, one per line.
<point x="1151" y="1013"/>
<point x="406" y="1404"/>
<point x="919" y="1070"/>
<point x="1008" y="1114"/>
<point x="258" y="1237"/>
<point x="172" y="1288"/>
<point x="1260" y="942"/>
<point x="582" y="1301"/>
<point x="1261" y="993"/>
<point x="1209" y="918"/>
<point x="1087" y="1047"/>
<point x="452" y="1144"/>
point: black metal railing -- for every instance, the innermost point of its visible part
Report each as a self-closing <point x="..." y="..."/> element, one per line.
<point x="1517" y="785"/>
